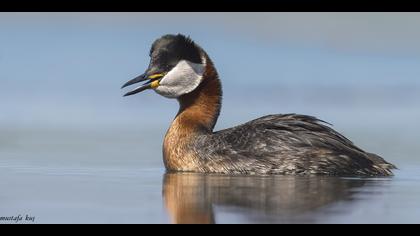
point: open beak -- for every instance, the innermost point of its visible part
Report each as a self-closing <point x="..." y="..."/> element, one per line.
<point x="152" y="81"/>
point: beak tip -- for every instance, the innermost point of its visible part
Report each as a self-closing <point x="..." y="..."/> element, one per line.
<point x="126" y="84"/>
<point x="135" y="80"/>
<point x="147" y="85"/>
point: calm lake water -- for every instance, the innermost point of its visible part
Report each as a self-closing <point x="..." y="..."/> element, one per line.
<point x="114" y="173"/>
<point x="137" y="193"/>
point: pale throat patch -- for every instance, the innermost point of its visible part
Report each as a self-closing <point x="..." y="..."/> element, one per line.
<point x="182" y="79"/>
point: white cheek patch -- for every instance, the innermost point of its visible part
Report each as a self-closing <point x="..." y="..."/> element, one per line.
<point x="182" y="79"/>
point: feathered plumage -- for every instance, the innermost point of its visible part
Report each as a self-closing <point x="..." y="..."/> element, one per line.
<point x="286" y="144"/>
<point x="274" y="144"/>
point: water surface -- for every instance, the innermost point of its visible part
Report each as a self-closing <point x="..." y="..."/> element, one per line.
<point x="107" y="177"/>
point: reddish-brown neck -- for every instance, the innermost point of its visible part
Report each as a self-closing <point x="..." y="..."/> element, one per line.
<point x="200" y="109"/>
<point x="197" y="115"/>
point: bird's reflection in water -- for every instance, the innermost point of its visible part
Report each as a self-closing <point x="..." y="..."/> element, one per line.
<point x="191" y="198"/>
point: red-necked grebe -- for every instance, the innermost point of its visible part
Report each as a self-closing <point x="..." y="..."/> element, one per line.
<point x="273" y="144"/>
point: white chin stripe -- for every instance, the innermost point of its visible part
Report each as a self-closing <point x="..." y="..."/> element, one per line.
<point x="182" y="79"/>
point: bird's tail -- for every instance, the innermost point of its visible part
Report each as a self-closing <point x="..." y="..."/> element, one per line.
<point x="381" y="165"/>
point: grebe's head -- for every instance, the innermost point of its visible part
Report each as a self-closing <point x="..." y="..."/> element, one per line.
<point x="176" y="67"/>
